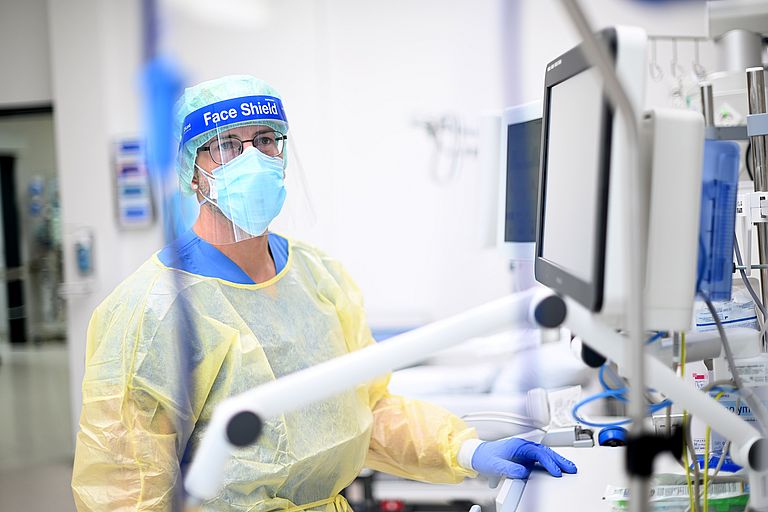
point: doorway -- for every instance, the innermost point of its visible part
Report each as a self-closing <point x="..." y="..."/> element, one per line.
<point x="31" y="310"/>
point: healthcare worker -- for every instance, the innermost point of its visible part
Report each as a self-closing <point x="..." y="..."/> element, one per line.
<point x="229" y="306"/>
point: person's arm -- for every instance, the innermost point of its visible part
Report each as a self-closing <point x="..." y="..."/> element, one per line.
<point x="422" y="441"/>
<point x="140" y="405"/>
<point x="126" y="458"/>
<point x="410" y="438"/>
<point x="416" y="439"/>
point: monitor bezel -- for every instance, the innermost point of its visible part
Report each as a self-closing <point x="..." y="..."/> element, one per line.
<point x="550" y="273"/>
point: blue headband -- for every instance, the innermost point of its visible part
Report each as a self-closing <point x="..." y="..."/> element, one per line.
<point x="226" y="112"/>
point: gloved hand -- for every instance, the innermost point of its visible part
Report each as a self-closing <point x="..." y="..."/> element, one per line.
<point x="514" y="458"/>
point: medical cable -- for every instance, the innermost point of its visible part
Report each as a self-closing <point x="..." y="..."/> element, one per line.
<point x="763" y="327"/>
<point x="697" y="491"/>
<point x="727" y="445"/>
<point x="688" y="440"/>
<point x="686" y="435"/>
<point x="717" y="386"/>
<point x="655" y="337"/>
<point x="755" y="404"/>
<point x="748" y="161"/>
<point x="688" y="480"/>
<point x="758" y="303"/>
<point x="613" y="393"/>
<point x="701" y="263"/>
<point x="707" y="438"/>
<point x="696" y="473"/>
<point x="743" y="273"/>
<point x="606" y="368"/>
<point x="726" y="345"/>
<point x="617" y="378"/>
<point x="604" y="384"/>
<point x="720" y="462"/>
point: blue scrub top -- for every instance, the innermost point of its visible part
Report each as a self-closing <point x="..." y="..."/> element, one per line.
<point x="192" y="254"/>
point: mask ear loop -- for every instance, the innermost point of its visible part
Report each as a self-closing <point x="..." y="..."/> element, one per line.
<point x="196" y="187"/>
<point x="203" y="200"/>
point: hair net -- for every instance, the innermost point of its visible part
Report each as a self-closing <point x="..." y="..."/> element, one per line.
<point x="207" y="93"/>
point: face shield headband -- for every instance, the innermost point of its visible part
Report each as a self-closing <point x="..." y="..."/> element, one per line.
<point x="221" y="114"/>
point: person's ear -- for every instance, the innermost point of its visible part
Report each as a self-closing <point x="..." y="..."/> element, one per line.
<point x="194" y="184"/>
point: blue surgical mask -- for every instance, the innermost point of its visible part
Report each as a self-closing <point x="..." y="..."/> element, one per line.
<point x="248" y="190"/>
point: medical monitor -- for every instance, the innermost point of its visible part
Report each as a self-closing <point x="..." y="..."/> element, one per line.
<point x="520" y="147"/>
<point x="573" y="206"/>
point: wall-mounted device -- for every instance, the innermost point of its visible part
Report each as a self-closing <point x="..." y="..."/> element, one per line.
<point x="132" y="185"/>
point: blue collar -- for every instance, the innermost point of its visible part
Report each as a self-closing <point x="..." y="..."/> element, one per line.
<point x="192" y="254"/>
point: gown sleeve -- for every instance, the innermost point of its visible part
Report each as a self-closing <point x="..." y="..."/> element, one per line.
<point x="411" y="438"/>
<point x="138" y="409"/>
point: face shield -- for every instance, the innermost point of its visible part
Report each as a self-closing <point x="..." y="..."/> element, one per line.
<point x="240" y="149"/>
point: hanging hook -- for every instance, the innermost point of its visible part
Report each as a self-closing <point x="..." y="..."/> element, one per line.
<point x="653" y="67"/>
<point x="698" y="69"/>
<point x="674" y="66"/>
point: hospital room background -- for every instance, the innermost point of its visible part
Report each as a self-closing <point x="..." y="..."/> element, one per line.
<point x="394" y="112"/>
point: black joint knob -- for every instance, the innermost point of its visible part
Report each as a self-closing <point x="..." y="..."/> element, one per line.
<point x="591" y="358"/>
<point x="244" y="428"/>
<point x="550" y="312"/>
<point x="643" y="449"/>
<point x="675" y="444"/>
<point x="758" y="458"/>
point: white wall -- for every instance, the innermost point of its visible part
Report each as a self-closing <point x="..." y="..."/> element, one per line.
<point x="24" y="59"/>
<point x="95" y="57"/>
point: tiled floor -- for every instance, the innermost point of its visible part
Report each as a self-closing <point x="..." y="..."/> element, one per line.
<point x="35" y="430"/>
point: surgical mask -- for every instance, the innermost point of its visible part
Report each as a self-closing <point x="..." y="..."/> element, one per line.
<point x="248" y="190"/>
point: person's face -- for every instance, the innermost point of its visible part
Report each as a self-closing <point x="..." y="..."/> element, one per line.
<point x="219" y="148"/>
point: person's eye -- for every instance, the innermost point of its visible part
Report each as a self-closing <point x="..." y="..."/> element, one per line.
<point x="227" y="145"/>
<point x="265" y="141"/>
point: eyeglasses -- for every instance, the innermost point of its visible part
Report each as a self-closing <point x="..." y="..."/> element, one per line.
<point x="224" y="149"/>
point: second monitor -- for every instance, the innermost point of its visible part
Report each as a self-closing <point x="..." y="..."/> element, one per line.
<point x="519" y="180"/>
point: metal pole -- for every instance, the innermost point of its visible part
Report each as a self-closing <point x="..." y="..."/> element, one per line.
<point x="598" y="56"/>
<point x="707" y="103"/>
<point x="744" y="267"/>
<point x="738" y="50"/>
<point x="757" y="105"/>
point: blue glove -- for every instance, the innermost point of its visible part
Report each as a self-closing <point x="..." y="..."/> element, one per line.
<point x="514" y="458"/>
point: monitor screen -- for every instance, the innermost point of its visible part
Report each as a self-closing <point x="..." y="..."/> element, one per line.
<point x="573" y="171"/>
<point x="577" y="127"/>
<point x="523" y="158"/>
